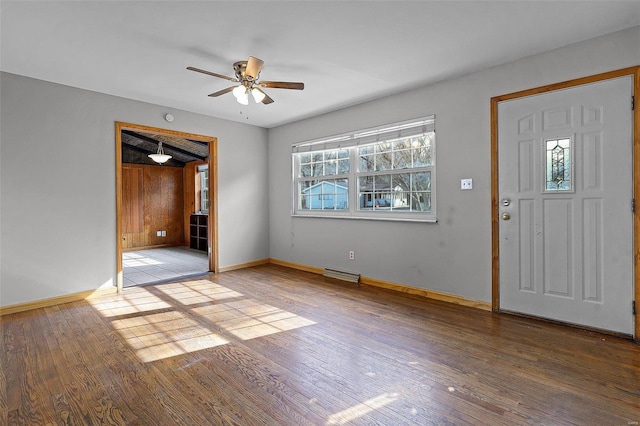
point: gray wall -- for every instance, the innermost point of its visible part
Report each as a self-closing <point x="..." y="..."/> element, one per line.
<point x="453" y="255"/>
<point x="57" y="186"/>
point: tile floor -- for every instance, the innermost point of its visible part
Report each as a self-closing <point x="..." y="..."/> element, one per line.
<point x="155" y="265"/>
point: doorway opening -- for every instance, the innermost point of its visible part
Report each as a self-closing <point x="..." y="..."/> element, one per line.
<point x="166" y="214"/>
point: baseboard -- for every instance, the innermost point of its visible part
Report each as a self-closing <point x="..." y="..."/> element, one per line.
<point x="157" y="246"/>
<point x="298" y="266"/>
<point x="429" y="294"/>
<point x="58" y="300"/>
<point x="245" y="265"/>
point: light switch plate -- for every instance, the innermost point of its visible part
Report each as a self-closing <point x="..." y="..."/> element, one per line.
<point x="466" y="183"/>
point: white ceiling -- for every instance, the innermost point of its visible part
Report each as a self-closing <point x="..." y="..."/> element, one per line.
<point x="346" y="52"/>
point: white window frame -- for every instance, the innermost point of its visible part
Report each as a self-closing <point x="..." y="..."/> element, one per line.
<point x="203" y="171"/>
<point x="351" y="141"/>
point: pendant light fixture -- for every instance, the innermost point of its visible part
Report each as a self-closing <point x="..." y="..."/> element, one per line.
<point x="160" y="157"/>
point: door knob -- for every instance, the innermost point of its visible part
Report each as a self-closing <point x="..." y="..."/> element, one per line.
<point x="506" y="216"/>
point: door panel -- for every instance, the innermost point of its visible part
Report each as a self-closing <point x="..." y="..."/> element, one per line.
<point x="565" y="189"/>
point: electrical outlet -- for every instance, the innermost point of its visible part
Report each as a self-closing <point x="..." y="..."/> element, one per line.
<point x="164" y="233"/>
<point x="352" y="255"/>
<point x="159" y="234"/>
<point x="466" y="183"/>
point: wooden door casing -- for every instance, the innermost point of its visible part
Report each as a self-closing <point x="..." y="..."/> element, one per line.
<point x="495" y="212"/>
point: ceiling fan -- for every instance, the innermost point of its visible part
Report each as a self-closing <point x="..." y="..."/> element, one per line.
<point x="247" y="74"/>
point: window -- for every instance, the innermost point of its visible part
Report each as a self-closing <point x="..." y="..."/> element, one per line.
<point x="382" y="173"/>
<point x="558" y="165"/>
<point x="324" y="180"/>
<point x="203" y="171"/>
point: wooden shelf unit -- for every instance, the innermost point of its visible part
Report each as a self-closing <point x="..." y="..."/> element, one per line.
<point x="198" y="232"/>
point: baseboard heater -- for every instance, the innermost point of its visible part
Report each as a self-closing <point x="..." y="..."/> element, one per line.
<point x="341" y="275"/>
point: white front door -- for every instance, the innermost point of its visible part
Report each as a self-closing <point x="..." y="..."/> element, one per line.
<point x="565" y="193"/>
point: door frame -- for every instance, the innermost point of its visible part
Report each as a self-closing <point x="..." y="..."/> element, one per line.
<point x="213" y="191"/>
<point x="495" y="224"/>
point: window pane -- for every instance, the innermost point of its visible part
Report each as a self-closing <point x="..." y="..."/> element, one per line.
<point x="343" y="166"/>
<point x="330" y="194"/>
<point x="305" y="170"/>
<point x="422" y="150"/>
<point x="382" y="183"/>
<point x="383" y="147"/>
<point x="421" y="182"/>
<point x="421" y="201"/>
<point x="318" y="170"/>
<point x="365" y="191"/>
<point x="402" y="159"/>
<point x="383" y="161"/>
<point x="421" y="157"/>
<point x="204" y="190"/>
<point x="402" y="144"/>
<point x="367" y="163"/>
<point x="305" y="158"/>
<point x="558" y="165"/>
<point x="366" y="149"/>
<point x="402" y="182"/>
<point x="365" y="184"/>
<point x="324" y="163"/>
<point x="330" y="167"/>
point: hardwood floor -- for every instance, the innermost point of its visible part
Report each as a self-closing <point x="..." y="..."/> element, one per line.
<point x="274" y="346"/>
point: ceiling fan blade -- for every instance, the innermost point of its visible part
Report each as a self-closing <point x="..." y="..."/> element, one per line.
<point x="223" y="91"/>
<point x="281" y="85"/>
<point x="254" y="66"/>
<point x="267" y="100"/>
<point x="212" y="74"/>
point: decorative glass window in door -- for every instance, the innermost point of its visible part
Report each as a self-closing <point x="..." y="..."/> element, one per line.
<point x="558" y="165"/>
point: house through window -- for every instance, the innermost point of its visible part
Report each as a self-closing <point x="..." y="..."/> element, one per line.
<point x="384" y="173"/>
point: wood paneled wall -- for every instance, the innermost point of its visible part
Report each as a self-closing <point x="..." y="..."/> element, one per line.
<point x="152" y="200"/>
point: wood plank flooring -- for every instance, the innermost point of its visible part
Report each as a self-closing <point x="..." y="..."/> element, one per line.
<point x="274" y="346"/>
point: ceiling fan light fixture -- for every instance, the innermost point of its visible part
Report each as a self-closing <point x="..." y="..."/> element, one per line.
<point x="242" y="95"/>
<point x="258" y="95"/>
<point x="243" y="100"/>
<point x="239" y="91"/>
<point x="160" y="157"/>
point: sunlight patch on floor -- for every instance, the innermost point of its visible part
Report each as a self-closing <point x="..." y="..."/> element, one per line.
<point x="197" y="291"/>
<point x="248" y="318"/>
<point x="136" y="260"/>
<point x="165" y="334"/>
<point x="129" y="303"/>
<point x="353" y="413"/>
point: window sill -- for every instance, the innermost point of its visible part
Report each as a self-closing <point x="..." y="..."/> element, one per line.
<point x="430" y="219"/>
